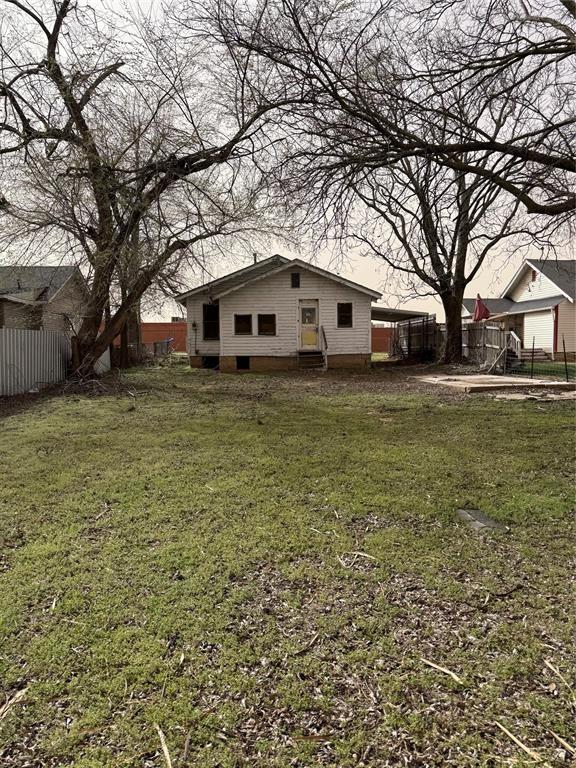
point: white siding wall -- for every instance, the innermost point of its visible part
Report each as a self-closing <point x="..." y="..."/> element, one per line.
<point x="274" y="295"/>
<point x="540" y="326"/>
<point x="567" y="326"/>
<point x="527" y="289"/>
<point x="194" y="314"/>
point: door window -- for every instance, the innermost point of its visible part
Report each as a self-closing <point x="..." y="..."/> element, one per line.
<point x="308" y="315"/>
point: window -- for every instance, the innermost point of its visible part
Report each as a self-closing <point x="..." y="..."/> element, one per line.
<point x="243" y="325"/>
<point x="266" y="325"/>
<point x="295" y="279"/>
<point x="242" y="363"/>
<point x="533" y="275"/>
<point x="345" y="315"/>
<point x="211" y="321"/>
<point x="308" y="315"/>
<point x="211" y="362"/>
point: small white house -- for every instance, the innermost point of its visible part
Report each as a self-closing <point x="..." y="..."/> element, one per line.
<point x="279" y="314"/>
<point x="538" y="306"/>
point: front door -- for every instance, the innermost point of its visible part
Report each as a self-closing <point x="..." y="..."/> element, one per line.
<point x="309" y="324"/>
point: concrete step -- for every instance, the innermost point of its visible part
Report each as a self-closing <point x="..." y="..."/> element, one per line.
<point x="539" y="355"/>
<point x="310" y="360"/>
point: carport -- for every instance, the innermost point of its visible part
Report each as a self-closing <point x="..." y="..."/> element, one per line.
<point x="387" y="315"/>
<point x="412" y="333"/>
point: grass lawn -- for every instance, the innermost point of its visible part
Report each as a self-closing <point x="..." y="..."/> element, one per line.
<point x="259" y="565"/>
<point x="554" y="369"/>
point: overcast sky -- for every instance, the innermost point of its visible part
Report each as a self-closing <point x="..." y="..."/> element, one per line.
<point x="494" y="277"/>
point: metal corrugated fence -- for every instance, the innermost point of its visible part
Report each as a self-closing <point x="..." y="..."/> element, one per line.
<point x="31" y="359"/>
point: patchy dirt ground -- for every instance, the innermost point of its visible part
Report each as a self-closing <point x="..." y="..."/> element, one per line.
<point x="268" y="571"/>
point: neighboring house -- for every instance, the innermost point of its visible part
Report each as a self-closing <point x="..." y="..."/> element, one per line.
<point x="48" y="298"/>
<point x="279" y="314"/>
<point x="538" y="306"/>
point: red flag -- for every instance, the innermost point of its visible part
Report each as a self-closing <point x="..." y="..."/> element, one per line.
<point x="481" y="311"/>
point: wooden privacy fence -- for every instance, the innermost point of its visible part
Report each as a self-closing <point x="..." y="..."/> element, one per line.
<point x="482" y="342"/>
<point x="30" y="360"/>
<point x="416" y="339"/>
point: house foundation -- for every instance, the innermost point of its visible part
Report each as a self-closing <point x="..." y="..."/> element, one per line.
<point x="263" y="363"/>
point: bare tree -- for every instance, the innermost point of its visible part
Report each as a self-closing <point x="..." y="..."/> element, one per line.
<point x="441" y="164"/>
<point x="83" y="165"/>
<point x="369" y="62"/>
<point x="436" y="227"/>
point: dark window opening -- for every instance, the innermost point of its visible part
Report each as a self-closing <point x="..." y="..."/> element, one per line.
<point x="266" y="325"/>
<point x="211" y="321"/>
<point x="211" y="362"/>
<point x="533" y="275"/>
<point x="243" y="325"/>
<point x="345" y="315"/>
<point x="295" y="279"/>
<point x="242" y="363"/>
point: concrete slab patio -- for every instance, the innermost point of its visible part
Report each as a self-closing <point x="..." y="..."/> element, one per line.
<point x="488" y="383"/>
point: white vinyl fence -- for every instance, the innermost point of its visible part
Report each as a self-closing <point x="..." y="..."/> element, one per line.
<point x="30" y="360"/>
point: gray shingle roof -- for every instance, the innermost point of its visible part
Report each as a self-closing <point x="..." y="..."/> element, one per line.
<point x="495" y="306"/>
<point x="507" y="307"/>
<point x="533" y="305"/>
<point x="48" y="280"/>
<point x="228" y="282"/>
<point x="562" y="272"/>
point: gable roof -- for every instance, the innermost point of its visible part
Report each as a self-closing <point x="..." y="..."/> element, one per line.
<point x="39" y="283"/>
<point x="235" y="278"/>
<point x="561" y="272"/>
<point x="273" y="265"/>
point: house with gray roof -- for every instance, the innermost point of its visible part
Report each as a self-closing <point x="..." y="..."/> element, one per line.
<point x="42" y="297"/>
<point x="538" y="305"/>
<point x="279" y="314"/>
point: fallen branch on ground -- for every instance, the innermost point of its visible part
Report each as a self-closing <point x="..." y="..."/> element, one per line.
<point x="164" y="746"/>
<point x="307" y="647"/>
<point x="534" y="755"/>
<point x="560" y="676"/>
<point x="355" y="556"/>
<point x="453" y="675"/>
<point x="564" y="743"/>
<point x="7" y="706"/>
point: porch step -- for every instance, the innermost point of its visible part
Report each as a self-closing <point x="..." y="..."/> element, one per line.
<point x="540" y="356"/>
<point x="310" y="360"/>
<point x="511" y="361"/>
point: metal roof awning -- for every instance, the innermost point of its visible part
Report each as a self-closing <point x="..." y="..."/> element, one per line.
<point x="388" y="315"/>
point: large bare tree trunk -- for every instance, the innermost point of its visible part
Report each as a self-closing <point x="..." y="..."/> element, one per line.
<point x="130" y="339"/>
<point x="453" y="311"/>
